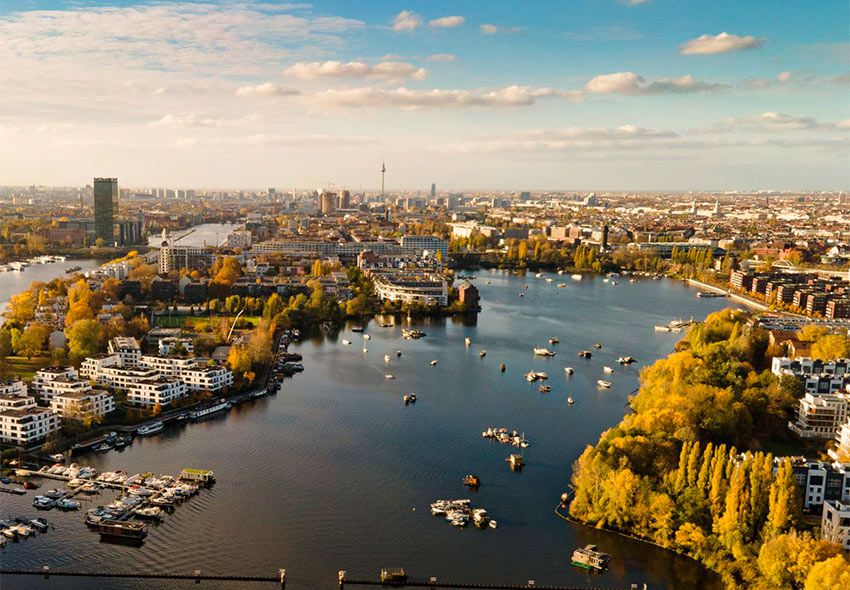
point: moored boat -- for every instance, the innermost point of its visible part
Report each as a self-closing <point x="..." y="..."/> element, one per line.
<point x="589" y="558"/>
<point x="150" y="429"/>
<point x="603" y="383"/>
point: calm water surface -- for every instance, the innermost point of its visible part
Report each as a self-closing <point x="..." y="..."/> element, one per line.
<point x="14" y="281"/>
<point x="334" y="472"/>
<point x="199" y="235"/>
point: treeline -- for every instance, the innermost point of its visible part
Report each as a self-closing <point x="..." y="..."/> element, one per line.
<point x="671" y="472"/>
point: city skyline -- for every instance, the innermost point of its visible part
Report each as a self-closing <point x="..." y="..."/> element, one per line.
<point x="594" y="95"/>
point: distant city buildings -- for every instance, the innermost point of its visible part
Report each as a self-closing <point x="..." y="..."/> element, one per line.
<point x="105" y="208"/>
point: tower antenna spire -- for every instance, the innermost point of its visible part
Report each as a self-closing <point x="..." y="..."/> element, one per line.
<point x="383" y="172"/>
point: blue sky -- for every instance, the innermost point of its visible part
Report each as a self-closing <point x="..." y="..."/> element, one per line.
<point x="574" y="94"/>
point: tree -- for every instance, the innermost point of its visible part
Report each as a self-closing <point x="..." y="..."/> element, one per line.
<point x="22" y="307"/>
<point x="84" y="338"/>
<point x="5" y="343"/>
<point x="831" y="346"/>
<point x="830" y="574"/>
<point x="229" y="271"/>
<point x="33" y="340"/>
<point x="522" y="251"/>
<point x="273" y="306"/>
<point x="317" y="268"/>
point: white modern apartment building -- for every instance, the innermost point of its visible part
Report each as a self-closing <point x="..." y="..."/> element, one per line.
<point x="817" y="376"/>
<point x="842" y="451"/>
<point x="177" y="257"/>
<point x="78" y="405"/>
<point x="63" y="386"/>
<point x="207" y="378"/>
<point x="166" y="345"/>
<point x="127" y="349"/>
<point x="425" y="287"/>
<point x="160" y="390"/>
<point x="27" y="426"/>
<point x="119" y="378"/>
<point x="820" y="415"/>
<point x="49" y="374"/>
<point x="13" y="387"/>
<point x="835" y="523"/>
<point x="10" y="401"/>
<point x="93" y="366"/>
<point x="170" y="366"/>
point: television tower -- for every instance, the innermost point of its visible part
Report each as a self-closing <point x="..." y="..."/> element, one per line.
<point x="383" y="171"/>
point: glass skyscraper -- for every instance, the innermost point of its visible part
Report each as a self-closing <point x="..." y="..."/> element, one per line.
<point x="105" y="208"/>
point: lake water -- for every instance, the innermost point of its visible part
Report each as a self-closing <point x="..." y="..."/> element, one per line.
<point x="14" y="281"/>
<point x="334" y="472"/>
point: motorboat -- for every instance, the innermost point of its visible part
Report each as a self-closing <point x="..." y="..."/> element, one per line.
<point x="568" y="370"/>
<point x="597" y="346"/>
<point x="554" y="341"/>
<point x="367" y="336"/>
<point x="42" y="503"/>
<point x="412" y="334"/>
<point x="389" y="376"/>
<point x="603" y="383"/>
<point x="585" y="354"/>
<point x="576" y="277"/>
<point x="607" y="369"/>
<point x="387" y="358"/>
<point x="472" y="481"/>
<point x="410" y="398"/>
<point x="149" y="429"/>
<point x="149" y="512"/>
<point x="545" y="388"/>
<point x="626" y="360"/>
<point x="66" y="504"/>
<point x="398" y="353"/>
<point x="544" y="352"/>
<point x="346" y="342"/>
<point x="467" y="341"/>
<point x="482" y="354"/>
<point x="103" y="447"/>
<point x="562" y="285"/>
<point x="570" y="401"/>
<point x="434" y="363"/>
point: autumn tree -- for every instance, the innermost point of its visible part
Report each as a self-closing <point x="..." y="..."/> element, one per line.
<point x="84" y="338"/>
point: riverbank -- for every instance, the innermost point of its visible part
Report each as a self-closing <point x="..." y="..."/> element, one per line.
<point x="749" y="301"/>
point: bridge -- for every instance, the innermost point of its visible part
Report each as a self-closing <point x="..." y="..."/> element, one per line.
<point x="788" y="266"/>
<point x="46" y="572"/>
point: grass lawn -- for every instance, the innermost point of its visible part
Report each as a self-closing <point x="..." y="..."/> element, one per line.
<point x="25" y="368"/>
<point x="178" y="321"/>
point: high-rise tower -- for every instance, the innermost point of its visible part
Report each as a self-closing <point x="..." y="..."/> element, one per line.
<point x="105" y="208"/>
<point x="383" y="171"/>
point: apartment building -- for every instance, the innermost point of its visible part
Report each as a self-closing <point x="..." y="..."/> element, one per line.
<point x="78" y="405"/>
<point x="127" y="349"/>
<point x="820" y="415"/>
<point x="427" y="288"/>
<point x="12" y="387"/>
<point x="46" y="374"/>
<point x="9" y="401"/>
<point x="158" y="390"/>
<point x="63" y="386"/>
<point x="166" y="345"/>
<point x="841" y="452"/>
<point x="93" y="366"/>
<point x="119" y="378"/>
<point x="26" y="426"/>
<point x="835" y="523"/>
<point x="207" y="378"/>
<point x="169" y="366"/>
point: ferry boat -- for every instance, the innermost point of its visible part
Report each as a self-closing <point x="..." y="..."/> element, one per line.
<point x="603" y="383"/>
<point x="544" y="352"/>
<point x="149" y="429"/>
<point x="589" y="558"/>
<point x="123" y="529"/>
<point x="204" y="412"/>
<point x="710" y="294"/>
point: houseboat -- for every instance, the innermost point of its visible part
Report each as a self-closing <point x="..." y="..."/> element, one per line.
<point x="123" y="529"/>
<point x="589" y="558"/>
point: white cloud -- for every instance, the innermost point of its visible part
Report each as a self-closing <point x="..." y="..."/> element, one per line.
<point x="441" y="57"/>
<point x="630" y="83"/>
<point x="387" y="70"/>
<point x="722" y="43"/>
<point x="403" y="98"/>
<point x="406" y="21"/>
<point x="784" y="76"/>
<point x="772" y="122"/>
<point x="266" y="89"/>
<point x="488" y="29"/>
<point x="268" y="140"/>
<point x="447" y="21"/>
<point x="193" y="120"/>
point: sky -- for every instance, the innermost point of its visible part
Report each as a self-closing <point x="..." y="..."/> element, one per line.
<point x="503" y="95"/>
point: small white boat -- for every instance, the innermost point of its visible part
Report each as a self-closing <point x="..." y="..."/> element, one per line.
<point x="570" y="401"/>
<point x="576" y="277"/>
<point x="66" y="504"/>
<point x="540" y="351"/>
<point x="607" y="369"/>
<point x="482" y="354"/>
<point x="367" y="337"/>
<point x="493" y="524"/>
<point x="662" y="328"/>
<point x="387" y="358"/>
<point x="467" y="341"/>
<point x="434" y="363"/>
<point x="538" y="275"/>
<point x="346" y="342"/>
<point x="562" y="286"/>
<point x="148" y="429"/>
<point x="388" y="376"/>
<point x="568" y="370"/>
<point x="603" y="383"/>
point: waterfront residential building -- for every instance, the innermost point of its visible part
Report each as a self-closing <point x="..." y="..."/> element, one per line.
<point x="10" y="401"/>
<point x="27" y="426"/>
<point x="820" y="415"/>
<point x="94" y="365"/>
<point x="105" y="208"/>
<point x="169" y="366"/>
<point x="157" y="390"/>
<point x="835" y="523"/>
<point x="127" y="349"/>
<point x="63" y="386"/>
<point x="468" y="295"/>
<point x="13" y="387"/>
<point x="78" y="405"/>
<point x="46" y="374"/>
<point x="120" y="378"/>
<point x="166" y="345"/>
<point x="426" y="288"/>
<point x="212" y="378"/>
<point x="817" y="376"/>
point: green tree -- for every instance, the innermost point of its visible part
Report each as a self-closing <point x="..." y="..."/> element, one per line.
<point x="33" y="340"/>
<point x="84" y="338"/>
